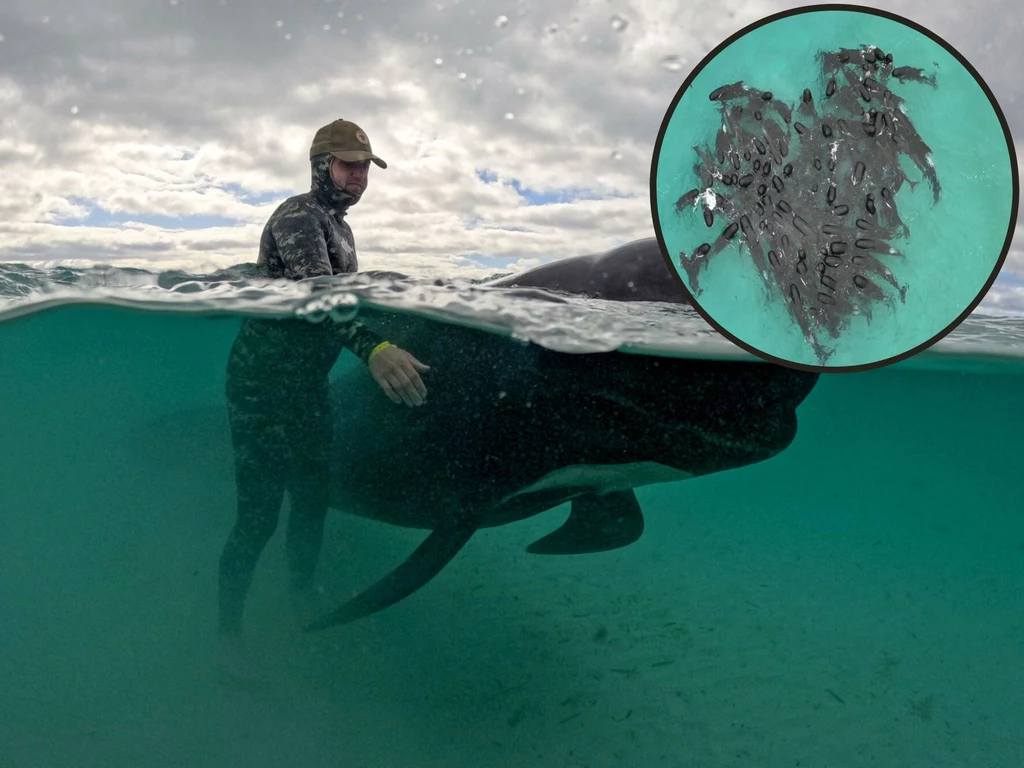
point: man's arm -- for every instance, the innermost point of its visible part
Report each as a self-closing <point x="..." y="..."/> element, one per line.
<point x="301" y="242"/>
<point x="302" y="245"/>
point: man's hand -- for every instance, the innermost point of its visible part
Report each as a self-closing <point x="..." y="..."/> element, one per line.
<point x="397" y="372"/>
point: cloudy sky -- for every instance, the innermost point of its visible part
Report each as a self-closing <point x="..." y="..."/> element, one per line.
<point x="162" y="133"/>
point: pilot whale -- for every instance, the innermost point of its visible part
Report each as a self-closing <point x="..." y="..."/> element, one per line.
<point x="511" y="429"/>
<point x="633" y="271"/>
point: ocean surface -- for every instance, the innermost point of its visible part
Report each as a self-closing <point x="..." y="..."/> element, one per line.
<point x="854" y="601"/>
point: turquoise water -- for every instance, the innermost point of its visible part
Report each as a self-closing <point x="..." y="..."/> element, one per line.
<point x="854" y="601"/>
<point x="952" y="246"/>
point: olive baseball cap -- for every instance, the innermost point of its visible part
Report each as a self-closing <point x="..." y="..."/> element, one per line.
<point x="346" y="141"/>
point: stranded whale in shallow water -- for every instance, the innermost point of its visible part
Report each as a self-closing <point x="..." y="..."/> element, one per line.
<point x="511" y="429"/>
<point x="635" y="271"/>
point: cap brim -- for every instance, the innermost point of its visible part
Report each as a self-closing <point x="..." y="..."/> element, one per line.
<point x="355" y="155"/>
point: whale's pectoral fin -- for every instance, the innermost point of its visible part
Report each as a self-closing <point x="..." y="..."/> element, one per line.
<point x="436" y="551"/>
<point x="595" y="524"/>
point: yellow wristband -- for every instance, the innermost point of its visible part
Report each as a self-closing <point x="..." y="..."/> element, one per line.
<point x="379" y="348"/>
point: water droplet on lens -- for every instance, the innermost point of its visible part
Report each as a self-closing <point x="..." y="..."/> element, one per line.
<point x="672" y="63"/>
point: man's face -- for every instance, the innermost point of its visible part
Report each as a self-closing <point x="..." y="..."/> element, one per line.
<point x="352" y="177"/>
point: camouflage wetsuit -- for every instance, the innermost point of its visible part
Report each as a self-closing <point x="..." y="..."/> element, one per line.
<point x="277" y="395"/>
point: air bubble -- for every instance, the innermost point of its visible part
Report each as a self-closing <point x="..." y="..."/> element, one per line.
<point x="438" y="61"/>
<point x="462" y="75"/>
<point x="501" y="21"/>
<point x="619" y="23"/>
<point x="616" y="155"/>
<point x="509" y="116"/>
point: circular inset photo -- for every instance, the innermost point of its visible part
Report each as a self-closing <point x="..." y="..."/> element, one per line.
<point x="835" y="187"/>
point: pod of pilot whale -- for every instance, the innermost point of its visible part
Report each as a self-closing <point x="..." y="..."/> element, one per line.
<point x="793" y="219"/>
<point x="511" y="429"/>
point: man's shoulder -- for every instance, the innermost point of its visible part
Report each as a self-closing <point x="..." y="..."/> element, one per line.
<point x="298" y="207"/>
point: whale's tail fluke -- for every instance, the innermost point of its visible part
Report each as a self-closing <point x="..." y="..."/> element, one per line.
<point x="436" y="551"/>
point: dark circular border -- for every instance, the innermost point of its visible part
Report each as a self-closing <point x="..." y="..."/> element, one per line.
<point x="1014" y="175"/>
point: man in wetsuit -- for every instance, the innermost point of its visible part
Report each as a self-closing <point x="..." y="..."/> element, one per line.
<point x="277" y="379"/>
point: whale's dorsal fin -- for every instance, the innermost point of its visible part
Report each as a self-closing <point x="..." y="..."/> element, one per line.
<point x="436" y="551"/>
<point x="597" y="523"/>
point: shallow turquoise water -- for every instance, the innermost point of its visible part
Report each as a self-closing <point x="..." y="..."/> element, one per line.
<point x="854" y="601"/>
<point x="952" y="247"/>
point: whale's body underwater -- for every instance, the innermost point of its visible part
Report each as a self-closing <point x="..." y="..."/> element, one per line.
<point x="511" y="429"/>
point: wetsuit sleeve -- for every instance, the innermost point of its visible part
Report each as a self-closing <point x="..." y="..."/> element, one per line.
<point x="302" y="246"/>
<point x="359" y="339"/>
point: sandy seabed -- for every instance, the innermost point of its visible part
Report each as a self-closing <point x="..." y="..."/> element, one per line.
<point x="854" y="602"/>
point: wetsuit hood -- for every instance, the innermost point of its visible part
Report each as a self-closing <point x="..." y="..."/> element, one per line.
<point x="325" y="190"/>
